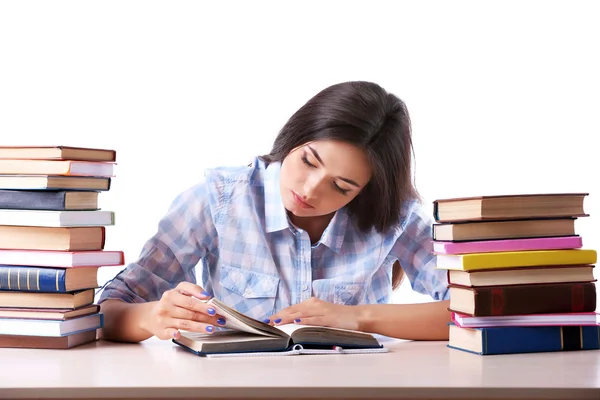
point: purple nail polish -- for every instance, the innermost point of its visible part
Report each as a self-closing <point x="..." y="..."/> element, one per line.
<point x="205" y="294"/>
<point x="211" y="311"/>
<point x="297" y="320"/>
<point x="278" y="320"/>
<point x="221" y="321"/>
<point x="266" y="321"/>
<point x="209" y="328"/>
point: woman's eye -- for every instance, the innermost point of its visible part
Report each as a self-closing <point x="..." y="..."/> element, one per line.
<point x="305" y="161"/>
<point x="339" y="189"/>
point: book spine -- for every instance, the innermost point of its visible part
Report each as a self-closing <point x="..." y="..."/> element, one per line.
<point x="490" y="246"/>
<point x="507" y="340"/>
<point x="535" y="299"/>
<point x="33" y="200"/>
<point x="32" y="279"/>
<point x="524" y="259"/>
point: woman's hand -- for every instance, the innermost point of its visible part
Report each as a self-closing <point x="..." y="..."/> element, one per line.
<point x="181" y="308"/>
<point x="318" y="312"/>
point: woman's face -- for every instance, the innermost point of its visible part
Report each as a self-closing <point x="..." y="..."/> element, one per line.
<point x="320" y="177"/>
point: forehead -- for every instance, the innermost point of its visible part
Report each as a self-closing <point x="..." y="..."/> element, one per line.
<point x="343" y="159"/>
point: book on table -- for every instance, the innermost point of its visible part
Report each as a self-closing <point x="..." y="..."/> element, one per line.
<point x="247" y="336"/>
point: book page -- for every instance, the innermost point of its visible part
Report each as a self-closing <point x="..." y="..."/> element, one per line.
<point x="240" y="322"/>
<point x="292" y="327"/>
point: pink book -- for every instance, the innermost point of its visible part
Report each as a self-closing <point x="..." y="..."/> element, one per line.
<point x="561" y="319"/>
<point x="491" y="246"/>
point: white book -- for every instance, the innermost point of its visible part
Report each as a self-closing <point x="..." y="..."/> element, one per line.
<point x="557" y="319"/>
<point x="52" y="328"/>
<point x="49" y="218"/>
<point x="54" y="258"/>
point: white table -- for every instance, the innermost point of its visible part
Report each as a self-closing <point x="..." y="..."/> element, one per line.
<point x="160" y="369"/>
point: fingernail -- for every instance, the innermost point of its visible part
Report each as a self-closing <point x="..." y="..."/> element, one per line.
<point x="278" y="320"/>
<point x="175" y="334"/>
<point x="266" y="321"/>
<point x="205" y="294"/>
<point x="297" y="320"/>
<point x="221" y="321"/>
<point x="209" y="328"/>
<point x="211" y="311"/>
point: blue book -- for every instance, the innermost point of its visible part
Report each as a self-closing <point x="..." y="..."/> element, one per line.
<point x="522" y="339"/>
<point x="45" y="279"/>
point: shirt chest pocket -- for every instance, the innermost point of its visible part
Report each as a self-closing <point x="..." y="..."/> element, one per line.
<point x="250" y="292"/>
<point x="348" y="293"/>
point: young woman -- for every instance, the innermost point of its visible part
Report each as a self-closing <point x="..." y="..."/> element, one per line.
<point x="319" y="231"/>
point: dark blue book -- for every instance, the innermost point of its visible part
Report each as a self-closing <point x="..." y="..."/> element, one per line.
<point x="49" y="280"/>
<point x="521" y="339"/>
<point x="59" y="200"/>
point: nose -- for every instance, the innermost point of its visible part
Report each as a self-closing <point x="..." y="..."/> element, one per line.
<point x="311" y="186"/>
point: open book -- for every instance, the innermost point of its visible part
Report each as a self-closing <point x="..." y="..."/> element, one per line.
<point x="246" y="336"/>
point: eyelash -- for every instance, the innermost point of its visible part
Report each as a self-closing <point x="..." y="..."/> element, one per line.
<point x="335" y="186"/>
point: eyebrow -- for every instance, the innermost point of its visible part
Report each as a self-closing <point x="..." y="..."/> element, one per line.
<point x="318" y="157"/>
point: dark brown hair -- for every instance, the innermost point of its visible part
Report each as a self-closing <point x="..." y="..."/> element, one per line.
<point x="367" y="116"/>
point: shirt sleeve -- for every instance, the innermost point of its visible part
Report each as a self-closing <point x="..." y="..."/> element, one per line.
<point x="185" y="235"/>
<point x="414" y="251"/>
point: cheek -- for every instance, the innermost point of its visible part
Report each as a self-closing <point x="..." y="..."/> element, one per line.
<point x="335" y="201"/>
<point x="291" y="175"/>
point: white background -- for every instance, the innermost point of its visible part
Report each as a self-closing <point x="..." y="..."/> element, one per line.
<point x="504" y="96"/>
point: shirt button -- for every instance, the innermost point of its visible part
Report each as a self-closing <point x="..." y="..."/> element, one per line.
<point x="305" y="287"/>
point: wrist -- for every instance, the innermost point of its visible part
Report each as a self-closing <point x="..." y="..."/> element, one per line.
<point x="144" y="316"/>
<point x="364" y="318"/>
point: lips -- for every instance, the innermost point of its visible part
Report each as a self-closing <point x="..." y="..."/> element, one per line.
<point x="300" y="202"/>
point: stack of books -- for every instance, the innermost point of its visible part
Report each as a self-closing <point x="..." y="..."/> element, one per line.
<point x="52" y="237"/>
<point x="519" y="278"/>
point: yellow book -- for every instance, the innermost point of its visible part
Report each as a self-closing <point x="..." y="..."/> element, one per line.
<point x="515" y="259"/>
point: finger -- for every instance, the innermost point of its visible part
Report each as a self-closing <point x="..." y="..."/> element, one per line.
<point x="179" y="299"/>
<point x="191" y="289"/>
<point x="168" y="333"/>
<point x="184" y="313"/>
<point x="191" y="326"/>
<point x="283" y="315"/>
<point x="317" y="321"/>
<point x="298" y="317"/>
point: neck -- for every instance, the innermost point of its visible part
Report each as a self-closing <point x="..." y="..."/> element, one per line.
<point x="314" y="226"/>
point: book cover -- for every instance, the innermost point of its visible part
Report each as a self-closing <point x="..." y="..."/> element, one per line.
<point x="515" y="206"/>
<point x="469" y="231"/>
<point x="500" y="245"/>
<point x="511" y="259"/>
<point x="48" y="342"/>
<point x="62" y="259"/>
<point x="56" y="167"/>
<point x="51" y="328"/>
<point x="46" y="279"/>
<point x="559" y="319"/>
<point x="522" y="275"/>
<point x="501" y="300"/>
<point x="55" y="182"/>
<point x="513" y="340"/>
<point x="57" y="200"/>
<point x="48" y="218"/>
<point x="57" y="153"/>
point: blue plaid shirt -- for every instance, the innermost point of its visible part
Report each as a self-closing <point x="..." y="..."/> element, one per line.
<point x="234" y="227"/>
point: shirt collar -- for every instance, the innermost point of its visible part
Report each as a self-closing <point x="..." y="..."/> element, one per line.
<point x="275" y="213"/>
<point x="333" y="236"/>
